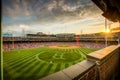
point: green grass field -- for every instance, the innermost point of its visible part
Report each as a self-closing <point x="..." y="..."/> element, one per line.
<point x="33" y="64"/>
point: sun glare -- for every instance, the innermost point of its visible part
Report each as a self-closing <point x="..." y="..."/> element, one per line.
<point x="107" y="31"/>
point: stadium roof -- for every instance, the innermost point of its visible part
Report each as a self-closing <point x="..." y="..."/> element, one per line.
<point x="109" y="7"/>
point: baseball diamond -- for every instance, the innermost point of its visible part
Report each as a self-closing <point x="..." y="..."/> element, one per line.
<point x="35" y="63"/>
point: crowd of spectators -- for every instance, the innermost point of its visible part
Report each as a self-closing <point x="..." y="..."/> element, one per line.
<point x="23" y="45"/>
<point x="92" y="45"/>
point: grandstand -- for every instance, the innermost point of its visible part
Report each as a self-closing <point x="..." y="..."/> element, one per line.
<point x="38" y="40"/>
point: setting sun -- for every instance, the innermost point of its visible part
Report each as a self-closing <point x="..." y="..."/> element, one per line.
<point x="107" y="31"/>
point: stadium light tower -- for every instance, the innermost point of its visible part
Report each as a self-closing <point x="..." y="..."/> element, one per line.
<point x="107" y="30"/>
<point x="22" y="27"/>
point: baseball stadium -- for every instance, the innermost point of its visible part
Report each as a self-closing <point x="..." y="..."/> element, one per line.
<point x="43" y="55"/>
<point x="47" y="49"/>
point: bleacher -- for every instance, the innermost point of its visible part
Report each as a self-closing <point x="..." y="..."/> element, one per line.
<point x="86" y="40"/>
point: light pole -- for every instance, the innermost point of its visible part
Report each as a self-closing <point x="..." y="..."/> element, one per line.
<point x="106" y="41"/>
<point x="107" y="30"/>
<point x="22" y="27"/>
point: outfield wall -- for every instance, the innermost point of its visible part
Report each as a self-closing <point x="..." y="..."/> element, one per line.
<point x="100" y="65"/>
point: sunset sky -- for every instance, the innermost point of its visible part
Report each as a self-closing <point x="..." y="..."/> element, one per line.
<point x="51" y="16"/>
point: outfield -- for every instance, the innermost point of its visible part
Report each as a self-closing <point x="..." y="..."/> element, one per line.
<point x="33" y="64"/>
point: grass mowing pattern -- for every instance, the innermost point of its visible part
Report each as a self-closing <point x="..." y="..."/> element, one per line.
<point x="32" y="64"/>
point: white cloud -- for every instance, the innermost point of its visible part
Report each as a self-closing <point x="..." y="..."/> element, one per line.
<point x="22" y="26"/>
